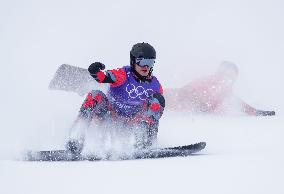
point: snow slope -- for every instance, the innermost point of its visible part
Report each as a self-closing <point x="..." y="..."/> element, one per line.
<point x="243" y="154"/>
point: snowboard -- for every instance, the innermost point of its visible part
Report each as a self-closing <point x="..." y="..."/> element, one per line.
<point x="65" y="155"/>
<point x="74" y="79"/>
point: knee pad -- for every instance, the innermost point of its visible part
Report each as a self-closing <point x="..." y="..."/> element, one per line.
<point x="94" y="97"/>
<point x="98" y="96"/>
<point x="95" y="103"/>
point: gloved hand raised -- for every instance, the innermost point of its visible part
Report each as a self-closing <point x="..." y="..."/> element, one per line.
<point x="96" y="67"/>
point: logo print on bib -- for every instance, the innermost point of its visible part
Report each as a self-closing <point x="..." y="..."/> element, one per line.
<point x="139" y="91"/>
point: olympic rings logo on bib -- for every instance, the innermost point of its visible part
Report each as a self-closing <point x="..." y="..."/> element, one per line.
<point x="139" y="91"/>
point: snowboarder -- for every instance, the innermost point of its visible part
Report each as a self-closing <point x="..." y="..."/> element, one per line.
<point x="211" y="94"/>
<point x="135" y="98"/>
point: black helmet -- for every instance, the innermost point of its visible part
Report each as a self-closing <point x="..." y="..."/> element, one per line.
<point x="142" y="50"/>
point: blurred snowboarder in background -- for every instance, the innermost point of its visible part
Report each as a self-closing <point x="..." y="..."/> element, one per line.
<point x="134" y="98"/>
<point x="211" y="94"/>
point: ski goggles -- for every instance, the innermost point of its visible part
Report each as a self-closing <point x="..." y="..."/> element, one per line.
<point x="145" y="62"/>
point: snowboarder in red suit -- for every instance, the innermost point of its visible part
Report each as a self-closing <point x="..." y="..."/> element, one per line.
<point x="211" y="94"/>
<point x="135" y="98"/>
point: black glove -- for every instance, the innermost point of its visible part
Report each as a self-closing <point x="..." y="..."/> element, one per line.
<point x="265" y="113"/>
<point x="96" y="67"/>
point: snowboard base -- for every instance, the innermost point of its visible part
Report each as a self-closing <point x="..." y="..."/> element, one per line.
<point x="65" y="155"/>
